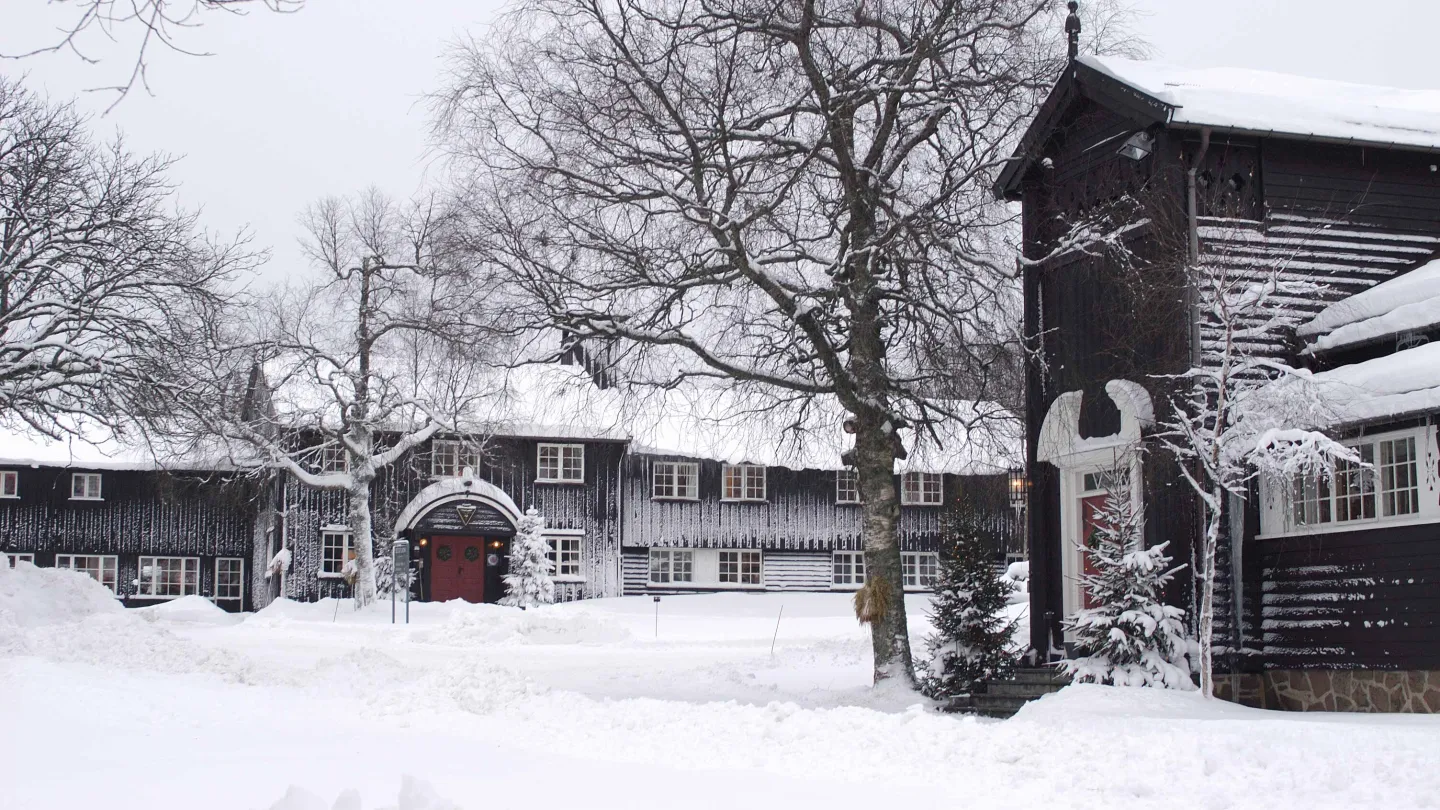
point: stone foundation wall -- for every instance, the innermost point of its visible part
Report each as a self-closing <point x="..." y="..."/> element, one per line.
<point x="1334" y="690"/>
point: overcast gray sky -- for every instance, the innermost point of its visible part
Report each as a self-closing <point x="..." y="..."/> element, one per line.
<point x="290" y="108"/>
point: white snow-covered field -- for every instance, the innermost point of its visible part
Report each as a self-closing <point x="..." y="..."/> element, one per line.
<point x="310" y="707"/>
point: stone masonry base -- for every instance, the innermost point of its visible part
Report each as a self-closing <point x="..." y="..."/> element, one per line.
<point x="1334" y="690"/>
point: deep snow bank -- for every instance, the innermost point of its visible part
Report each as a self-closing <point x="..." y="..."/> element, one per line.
<point x="32" y="597"/>
<point x="191" y="610"/>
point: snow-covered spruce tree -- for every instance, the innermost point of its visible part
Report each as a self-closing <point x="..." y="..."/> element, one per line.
<point x="530" y="581"/>
<point x="1243" y="413"/>
<point x="972" y="640"/>
<point x="1130" y="636"/>
<point x="791" y="200"/>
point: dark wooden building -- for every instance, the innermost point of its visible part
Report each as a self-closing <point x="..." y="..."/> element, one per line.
<point x="1323" y="181"/>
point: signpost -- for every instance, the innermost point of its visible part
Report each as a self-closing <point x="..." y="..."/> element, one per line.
<point x="400" y="566"/>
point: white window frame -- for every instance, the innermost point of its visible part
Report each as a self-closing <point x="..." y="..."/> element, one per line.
<point x="347" y="546"/>
<point x="334" y="459"/>
<point x="1277" y="502"/>
<point x="704" y="567"/>
<point x="12" y="557"/>
<point x="239" y="597"/>
<point x="566" y="549"/>
<point x="664" y="563"/>
<point x="675" y="470"/>
<point x="847" y="481"/>
<point x="560" y="467"/>
<point x="10" y="484"/>
<point x="189" y="570"/>
<point x="87" y="492"/>
<point x="745" y="478"/>
<point x="463" y="454"/>
<point x="911" y="575"/>
<point x="108" y="568"/>
<point x="928" y="489"/>
<point x="847" y="570"/>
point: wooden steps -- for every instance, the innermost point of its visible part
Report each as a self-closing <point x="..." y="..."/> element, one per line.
<point x="1002" y="699"/>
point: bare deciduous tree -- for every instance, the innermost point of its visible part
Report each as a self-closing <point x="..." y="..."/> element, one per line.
<point x="359" y="368"/>
<point x="99" y="271"/>
<point x="792" y="197"/>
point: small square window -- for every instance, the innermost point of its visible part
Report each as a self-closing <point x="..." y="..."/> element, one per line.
<point x="11" y="559"/>
<point x="670" y="565"/>
<point x="920" y="569"/>
<point x="847" y="486"/>
<point x="565" y="555"/>
<point x="85" y="486"/>
<point x="450" y="458"/>
<point x="849" y="569"/>
<point x="740" y="568"/>
<point x="334" y="459"/>
<point x="675" y="480"/>
<point x="922" y="489"/>
<point x="743" y="482"/>
<point x="560" y="463"/>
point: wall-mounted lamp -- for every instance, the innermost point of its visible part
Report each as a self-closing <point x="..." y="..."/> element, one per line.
<point x="1138" y="146"/>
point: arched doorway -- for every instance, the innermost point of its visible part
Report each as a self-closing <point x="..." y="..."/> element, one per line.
<point x="460" y="529"/>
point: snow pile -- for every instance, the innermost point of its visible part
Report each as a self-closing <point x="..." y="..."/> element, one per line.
<point x="33" y="597"/>
<point x="490" y="625"/>
<point x="191" y="609"/>
<point x="1264" y="102"/>
<point x="1404" y="303"/>
<point x="414" y="795"/>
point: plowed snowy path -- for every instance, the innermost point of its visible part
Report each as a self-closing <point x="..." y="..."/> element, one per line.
<point x="584" y="705"/>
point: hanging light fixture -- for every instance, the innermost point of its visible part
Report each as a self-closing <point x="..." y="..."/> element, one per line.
<point x="1018" y="490"/>
<point x="1138" y="146"/>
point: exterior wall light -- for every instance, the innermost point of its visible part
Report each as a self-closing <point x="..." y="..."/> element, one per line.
<point x="1138" y="146"/>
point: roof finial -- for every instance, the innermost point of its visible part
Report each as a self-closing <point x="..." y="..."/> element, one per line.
<point x="1072" y="29"/>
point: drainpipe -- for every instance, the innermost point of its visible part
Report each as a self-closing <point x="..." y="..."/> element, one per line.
<point x="620" y="520"/>
<point x="1193" y="210"/>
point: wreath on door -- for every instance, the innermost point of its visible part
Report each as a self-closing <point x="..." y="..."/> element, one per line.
<point x="472" y="553"/>
<point x="443" y="553"/>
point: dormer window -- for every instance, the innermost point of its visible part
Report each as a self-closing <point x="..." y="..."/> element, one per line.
<point x="449" y="458"/>
<point x="85" y="487"/>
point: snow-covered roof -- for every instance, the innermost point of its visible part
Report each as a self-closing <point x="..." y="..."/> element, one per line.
<point x="1407" y="302"/>
<point x="1400" y="384"/>
<point x="1263" y="102"/>
<point x="98" y="451"/>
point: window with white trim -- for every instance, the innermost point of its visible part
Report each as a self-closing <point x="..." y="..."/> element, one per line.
<point x="229" y="579"/>
<point x="12" y="558"/>
<point x="1384" y="486"/>
<point x="560" y="463"/>
<point x="675" y="480"/>
<point x="920" y="569"/>
<point x="101" y="567"/>
<point x="848" y="569"/>
<point x="334" y="459"/>
<point x="922" y="489"/>
<point x="740" y="568"/>
<point x="671" y="565"/>
<point x="449" y="458"/>
<point x="847" y="486"/>
<point x="743" y="482"/>
<point x="85" y="487"/>
<point x="565" y="555"/>
<point x="334" y="552"/>
<point x="9" y="484"/>
<point x="169" y="577"/>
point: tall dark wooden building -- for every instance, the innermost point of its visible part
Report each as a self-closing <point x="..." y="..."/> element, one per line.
<point x="1327" y="597"/>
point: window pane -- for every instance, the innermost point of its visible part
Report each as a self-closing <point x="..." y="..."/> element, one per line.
<point x="1399" y="481"/>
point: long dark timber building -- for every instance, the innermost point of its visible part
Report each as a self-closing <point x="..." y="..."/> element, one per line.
<point x="1328" y="587"/>
<point x="658" y="495"/>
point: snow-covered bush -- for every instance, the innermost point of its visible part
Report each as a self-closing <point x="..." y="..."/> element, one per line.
<point x="1129" y="637"/>
<point x="529" y="581"/>
<point x="972" y="640"/>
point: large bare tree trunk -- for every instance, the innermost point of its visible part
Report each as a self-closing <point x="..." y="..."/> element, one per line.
<point x="889" y="628"/>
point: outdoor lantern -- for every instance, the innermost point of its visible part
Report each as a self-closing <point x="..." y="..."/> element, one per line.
<point x="1018" y="487"/>
<point x="1138" y="146"/>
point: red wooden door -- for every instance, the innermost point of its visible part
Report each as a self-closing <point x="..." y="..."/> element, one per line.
<point x="457" y="569"/>
<point x="1092" y="512"/>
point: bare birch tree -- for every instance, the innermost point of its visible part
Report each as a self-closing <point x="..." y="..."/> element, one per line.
<point x="98" y="271"/>
<point x="359" y="368"/>
<point x="791" y="197"/>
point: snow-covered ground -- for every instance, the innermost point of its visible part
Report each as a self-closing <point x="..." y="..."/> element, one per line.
<point x="589" y="705"/>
